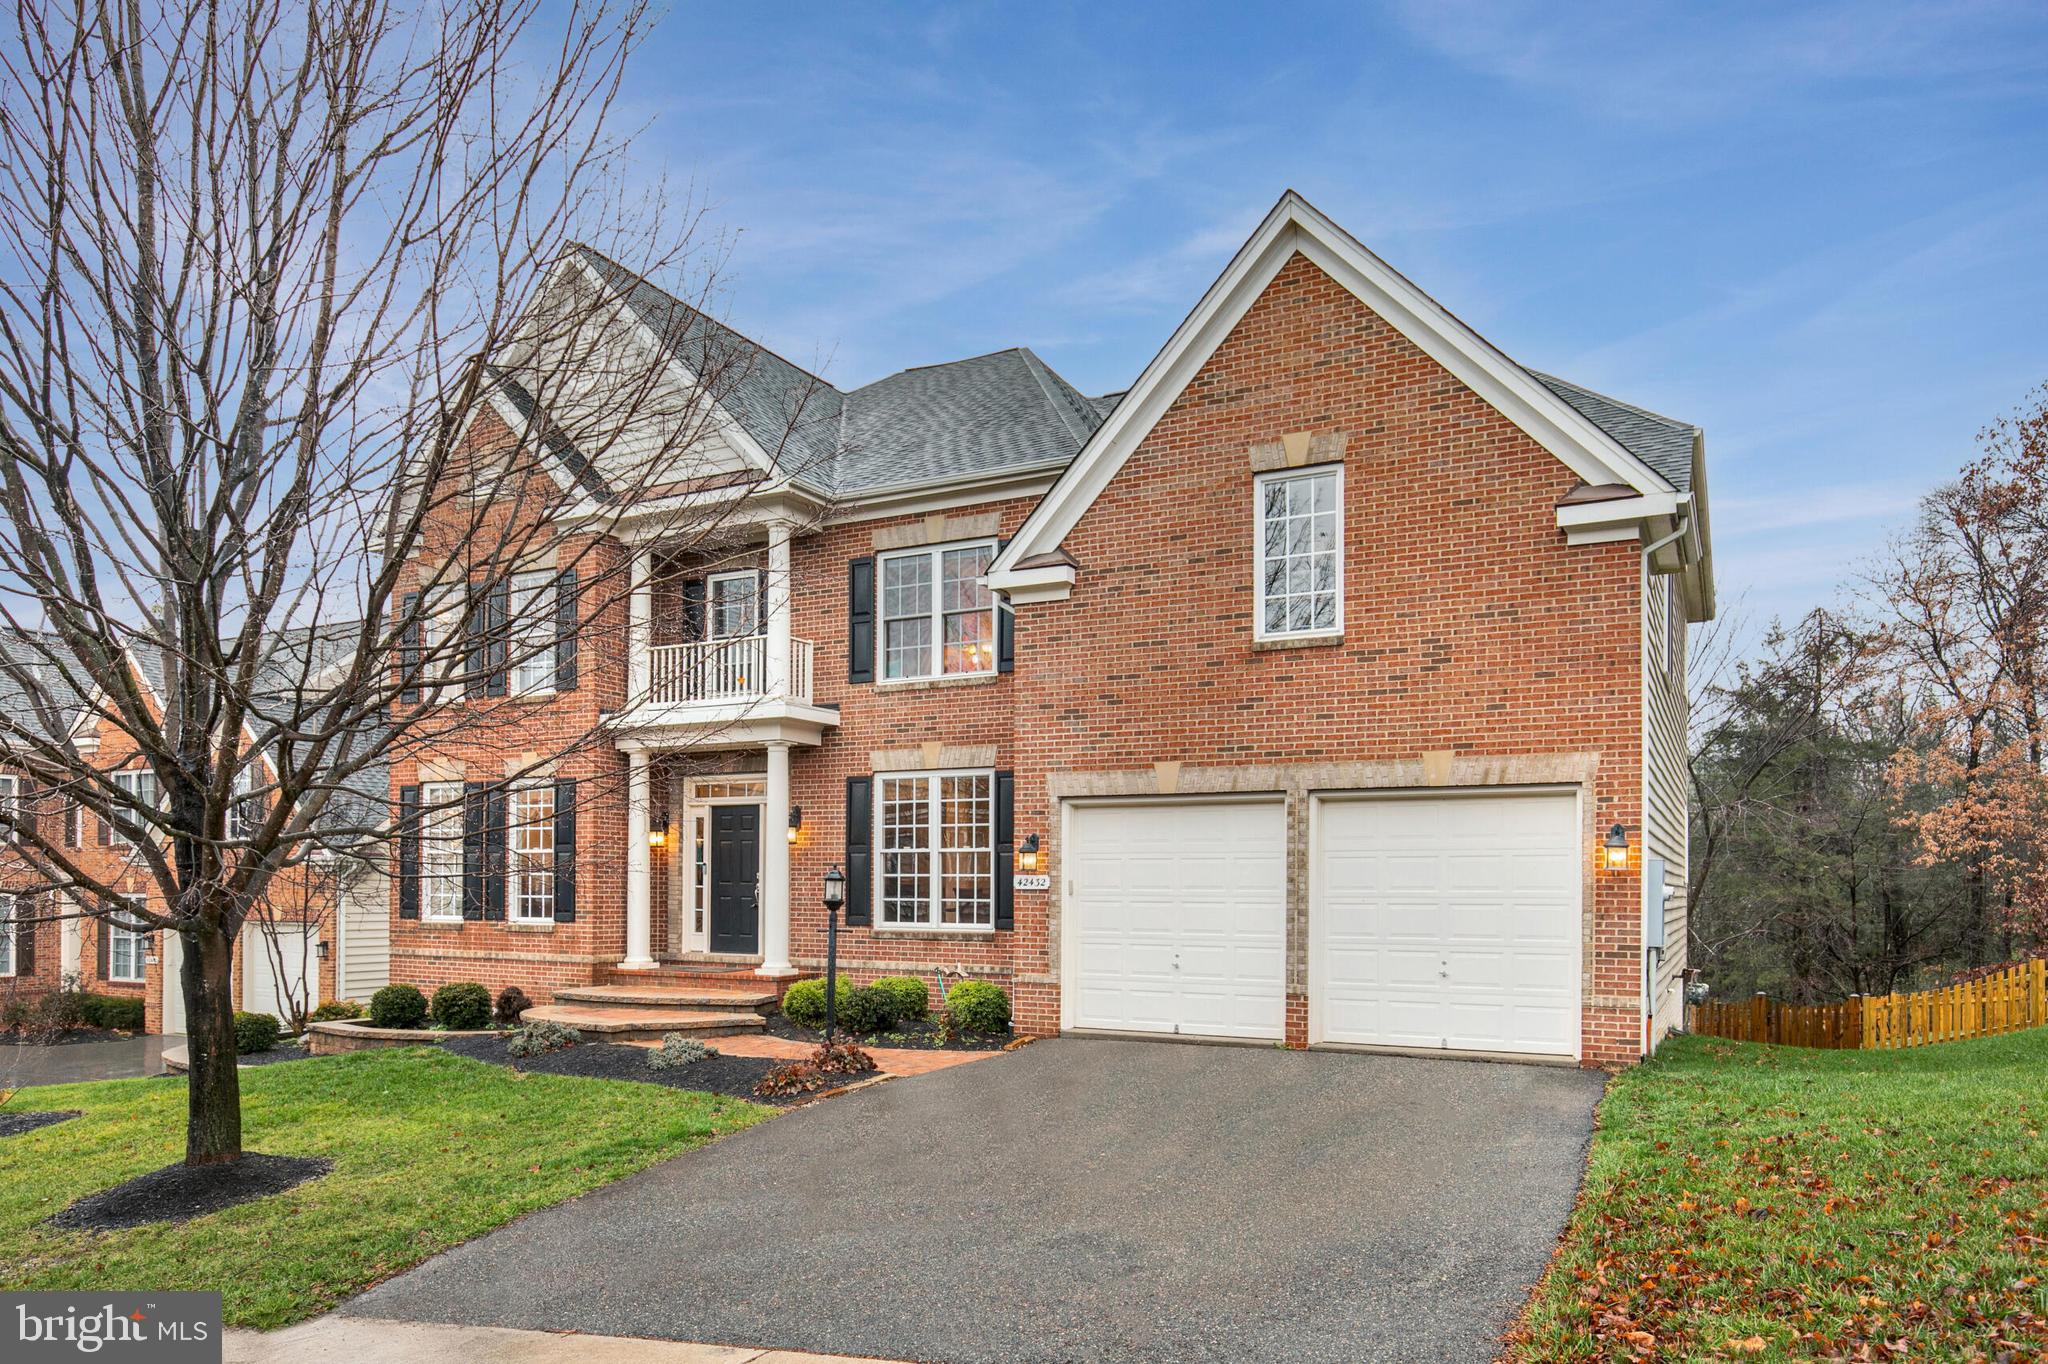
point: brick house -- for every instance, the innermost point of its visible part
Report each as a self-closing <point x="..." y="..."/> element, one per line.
<point x="329" y="925"/>
<point x="1326" y="687"/>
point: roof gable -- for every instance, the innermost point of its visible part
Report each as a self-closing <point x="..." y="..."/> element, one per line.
<point x="1296" y="227"/>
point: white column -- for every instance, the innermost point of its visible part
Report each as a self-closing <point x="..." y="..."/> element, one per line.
<point x="778" y="609"/>
<point x="639" y="632"/>
<point x="639" y="880"/>
<point x="71" y="941"/>
<point x="775" y="868"/>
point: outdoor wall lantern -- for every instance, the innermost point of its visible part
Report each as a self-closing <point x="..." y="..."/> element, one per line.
<point x="1027" y="854"/>
<point x="320" y="949"/>
<point x="1614" y="852"/>
<point x="796" y="821"/>
<point x="657" y="831"/>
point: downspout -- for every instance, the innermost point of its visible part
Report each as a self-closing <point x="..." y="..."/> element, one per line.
<point x="1652" y="955"/>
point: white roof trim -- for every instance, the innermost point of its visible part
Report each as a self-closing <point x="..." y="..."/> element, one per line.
<point x="1296" y="225"/>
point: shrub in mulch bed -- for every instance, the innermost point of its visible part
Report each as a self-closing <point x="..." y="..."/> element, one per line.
<point x="733" y="1076"/>
<point x="178" y="1193"/>
<point x="827" y="1067"/>
<point x="14" y="1124"/>
<point x="924" y="1034"/>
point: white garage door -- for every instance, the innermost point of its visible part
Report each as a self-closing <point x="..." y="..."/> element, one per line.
<point x="1447" y="922"/>
<point x="264" y="991"/>
<point x="1177" y="915"/>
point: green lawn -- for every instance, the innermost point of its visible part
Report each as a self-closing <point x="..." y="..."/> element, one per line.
<point x="1745" y="1201"/>
<point x="429" y="1150"/>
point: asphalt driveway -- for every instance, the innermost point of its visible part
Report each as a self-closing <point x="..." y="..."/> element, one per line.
<point x="1077" y="1200"/>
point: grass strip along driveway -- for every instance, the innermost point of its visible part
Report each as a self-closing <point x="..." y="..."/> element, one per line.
<point x="429" y="1150"/>
<point x="1745" y="1201"/>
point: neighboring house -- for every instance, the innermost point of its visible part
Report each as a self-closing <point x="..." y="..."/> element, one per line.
<point x="1293" y="695"/>
<point x="331" y="918"/>
<point x="32" y="959"/>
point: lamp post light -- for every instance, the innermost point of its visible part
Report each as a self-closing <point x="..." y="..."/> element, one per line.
<point x="835" y="896"/>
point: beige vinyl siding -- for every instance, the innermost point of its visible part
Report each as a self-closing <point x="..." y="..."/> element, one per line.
<point x="365" y="935"/>
<point x="1666" y="705"/>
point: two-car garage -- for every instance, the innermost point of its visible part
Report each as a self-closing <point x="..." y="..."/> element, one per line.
<point x="1435" y="921"/>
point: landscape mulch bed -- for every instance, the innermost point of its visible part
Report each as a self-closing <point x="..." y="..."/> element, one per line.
<point x="730" y="1075"/>
<point x="68" y="1037"/>
<point x="923" y="1035"/>
<point x="178" y="1193"/>
<point x="289" y="1051"/>
<point x="14" y="1124"/>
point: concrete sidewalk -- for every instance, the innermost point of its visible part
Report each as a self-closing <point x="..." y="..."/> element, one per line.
<point x="369" y="1340"/>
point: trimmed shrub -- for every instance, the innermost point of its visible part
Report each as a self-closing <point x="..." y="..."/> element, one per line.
<point x="908" y="995"/>
<point x="15" y="1014"/>
<point x="804" y="1002"/>
<point x="676" y="1051"/>
<point x="512" y="1002"/>
<point x="538" y="1039"/>
<point x="398" y="1006"/>
<point x="867" y="1010"/>
<point x="116" y="1013"/>
<point x="335" y="1010"/>
<point x="462" y="1006"/>
<point x="255" y="1032"/>
<point x="978" y="1006"/>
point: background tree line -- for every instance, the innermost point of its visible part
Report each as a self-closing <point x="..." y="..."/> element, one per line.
<point x="1868" y="786"/>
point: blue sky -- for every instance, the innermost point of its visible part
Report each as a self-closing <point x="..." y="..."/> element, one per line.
<point x="1820" y="233"/>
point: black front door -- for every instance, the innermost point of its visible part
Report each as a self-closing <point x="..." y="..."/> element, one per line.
<point x="735" y="878"/>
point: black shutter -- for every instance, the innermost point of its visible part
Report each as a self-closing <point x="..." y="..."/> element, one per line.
<point x="860" y="622"/>
<point x="498" y="637"/>
<point x="859" y="872"/>
<point x="476" y="872"/>
<point x="565" y="850"/>
<point x="761" y="602"/>
<point x="693" y="610"/>
<point x="104" y="931"/>
<point x="476" y="654"/>
<point x="25" y="911"/>
<point x="409" y="649"/>
<point x="1006" y="849"/>
<point x="565" y="632"/>
<point x="495" y="870"/>
<point x="1006" y="630"/>
<point x="408" y="852"/>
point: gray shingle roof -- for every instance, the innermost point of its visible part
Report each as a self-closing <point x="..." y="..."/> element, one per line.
<point x="1660" y="442"/>
<point x="35" y="690"/>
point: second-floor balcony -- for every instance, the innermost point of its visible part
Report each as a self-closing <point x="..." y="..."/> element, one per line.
<point x="723" y="670"/>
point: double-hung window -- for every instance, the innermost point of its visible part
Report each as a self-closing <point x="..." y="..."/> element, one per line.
<point x="441" y="851"/>
<point x="530" y="867"/>
<point x="735" y="604"/>
<point x="7" y="931"/>
<point x="935" y="844"/>
<point x="1300" y="569"/>
<point x="531" y="638"/>
<point x="246" y="812"/>
<point x="140" y="788"/>
<point x="10" y="807"/>
<point x="126" y="940"/>
<point x="938" y="616"/>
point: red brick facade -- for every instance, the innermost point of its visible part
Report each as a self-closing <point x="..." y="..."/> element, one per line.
<point x="1470" y="629"/>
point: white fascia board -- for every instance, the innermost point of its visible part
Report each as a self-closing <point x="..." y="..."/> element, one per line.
<point x="1022" y="586"/>
<point x="1589" y="515"/>
<point x="1295" y="225"/>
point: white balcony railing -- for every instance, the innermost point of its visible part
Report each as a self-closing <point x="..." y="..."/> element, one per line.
<point x="724" y="670"/>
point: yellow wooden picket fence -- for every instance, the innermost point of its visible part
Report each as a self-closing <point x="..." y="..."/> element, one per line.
<point x="2004" y="1001"/>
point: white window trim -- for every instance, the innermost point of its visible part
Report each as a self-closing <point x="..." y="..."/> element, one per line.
<point x="513" y="870"/>
<point x="134" y="776"/>
<point x="521" y="650"/>
<point x="936" y="662"/>
<point x="933" y="825"/>
<point x="113" y="927"/>
<point x="7" y="931"/>
<point x="1259" y="485"/>
<point x="752" y="579"/>
<point x="453" y="814"/>
<point x="10" y="801"/>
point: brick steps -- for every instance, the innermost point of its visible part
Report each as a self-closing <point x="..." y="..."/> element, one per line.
<point x="671" y="994"/>
<point x="645" y="1023"/>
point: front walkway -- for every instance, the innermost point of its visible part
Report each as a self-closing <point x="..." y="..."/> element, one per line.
<point x="365" y="1340"/>
<point x="892" y="1060"/>
<point x="71" y="1062"/>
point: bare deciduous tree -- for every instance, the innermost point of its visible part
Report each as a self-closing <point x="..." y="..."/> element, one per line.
<point x="304" y="408"/>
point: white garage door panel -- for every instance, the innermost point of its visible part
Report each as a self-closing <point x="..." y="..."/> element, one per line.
<point x="1178" y="918"/>
<point x="263" y="991"/>
<point x="1448" y="922"/>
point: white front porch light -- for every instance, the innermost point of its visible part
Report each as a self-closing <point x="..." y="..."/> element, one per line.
<point x="796" y="821"/>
